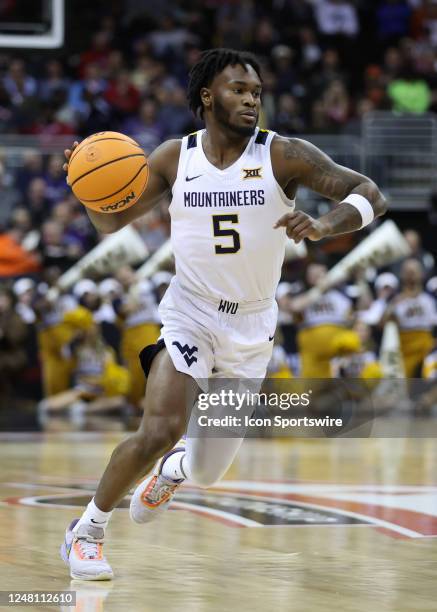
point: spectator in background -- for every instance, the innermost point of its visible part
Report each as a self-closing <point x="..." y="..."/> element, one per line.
<point x="146" y="129"/>
<point x="54" y="81"/>
<point x="154" y="227"/>
<point x="110" y="291"/>
<point x="329" y="70"/>
<point x="265" y="38"/>
<point x="122" y="96"/>
<point x="139" y="316"/>
<point x="301" y="13"/>
<point x="174" y="115"/>
<point x="58" y="323"/>
<point x="97" y="54"/>
<point x="21" y="220"/>
<point x="386" y="285"/>
<point x="268" y="109"/>
<point x="235" y="24"/>
<point x="289" y="118"/>
<point x="356" y="355"/>
<point x="170" y="38"/>
<point x="56" y="186"/>
<point x="56" y="248"/>
<point x="319" y="323"/>
<point x="92" y="81"/>
<point x="375" y="86"/>
<point x="87" y="101"/>
<point x="13" y="334"/>
<point x="25" y="291"/>
<point x="319" y="121"/>
<point x="48" y="122"/>
<point x="74" y="220"/>
<point x="36" y="201"/>
<point x="229" y="34"/>
<point x="7" y="111"/>
<point x="393" y="18"/>
<point x="282" y="60"/>
<point x="336" y="104"/>
<point x="418" y="252"/>
<point x="415" y="243"/>
<point x="14" y="259"/>
<point x="19" y="85"/>
<point x="116" y="64"/>
<point x="354" y="126"/>
<point x="145" y="73"/>
<point x="415" y="313"/>
<point x="31" y="167"/>
<point x="99" y="383"/>
<point x="424" y="21"/>
<point x="409" y="92"/>
<point x="10" y="197"/>
<point x="20" y="225"/>
<point x="336" y="17"/>
<point x="310" y="50"/>
<point x="393" y="64"/>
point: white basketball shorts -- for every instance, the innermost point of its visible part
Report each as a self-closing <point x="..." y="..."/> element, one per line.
<point x="217" y="339"/>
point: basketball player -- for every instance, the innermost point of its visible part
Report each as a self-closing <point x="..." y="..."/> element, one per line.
<point x="233" y="188"/>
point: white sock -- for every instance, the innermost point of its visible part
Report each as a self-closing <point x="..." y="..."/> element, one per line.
<point x="93" y="516"/>
<point x="173" y="468"/>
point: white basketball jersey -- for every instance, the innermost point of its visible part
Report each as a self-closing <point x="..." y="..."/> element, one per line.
<point x="222" y="222"/>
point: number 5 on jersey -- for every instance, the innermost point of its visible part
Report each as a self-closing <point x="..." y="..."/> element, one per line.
<point x="217" y="220"/>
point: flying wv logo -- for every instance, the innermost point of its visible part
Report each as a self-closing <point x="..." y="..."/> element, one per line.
<point x="187" y="352"/>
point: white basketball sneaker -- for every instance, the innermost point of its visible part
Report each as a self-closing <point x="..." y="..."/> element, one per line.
<point x="82" y="551"/>
<point x="155" y="492"/>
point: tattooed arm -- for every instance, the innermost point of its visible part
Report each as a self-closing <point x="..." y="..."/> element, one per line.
<point x="297" y="162"/>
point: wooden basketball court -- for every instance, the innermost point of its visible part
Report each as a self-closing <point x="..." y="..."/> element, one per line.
<point x="302" y="525"/>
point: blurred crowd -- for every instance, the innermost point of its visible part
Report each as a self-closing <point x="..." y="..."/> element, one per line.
<point x="78" y="350"/>
<point x="325" y="64"/>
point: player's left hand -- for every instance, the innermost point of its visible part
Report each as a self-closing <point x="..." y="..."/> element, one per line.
<point x="67" y="154"/>
<point x="299" y="225"/>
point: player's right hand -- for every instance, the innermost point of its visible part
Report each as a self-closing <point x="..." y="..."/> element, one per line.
<point x="67" y="153"/>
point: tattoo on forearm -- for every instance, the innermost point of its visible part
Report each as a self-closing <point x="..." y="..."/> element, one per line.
<point x="342" y="219"/>
<point x="329" y="179"/>
<point x="326" y="177"/>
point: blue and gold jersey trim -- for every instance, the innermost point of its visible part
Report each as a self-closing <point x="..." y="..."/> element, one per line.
<point x="261" y="137"/>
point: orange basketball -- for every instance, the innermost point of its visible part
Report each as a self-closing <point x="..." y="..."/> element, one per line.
<point x="108" y="172"/>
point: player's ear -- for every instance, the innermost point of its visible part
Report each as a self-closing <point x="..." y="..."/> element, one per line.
<point x="206" y="97"/>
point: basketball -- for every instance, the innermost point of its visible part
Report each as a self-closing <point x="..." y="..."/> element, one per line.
<point x="108" y="172"/>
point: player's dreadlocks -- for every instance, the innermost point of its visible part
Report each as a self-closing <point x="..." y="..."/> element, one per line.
<point x="212" y="62"/>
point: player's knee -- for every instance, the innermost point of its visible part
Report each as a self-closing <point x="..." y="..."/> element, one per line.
<point x="152" y="445"/>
